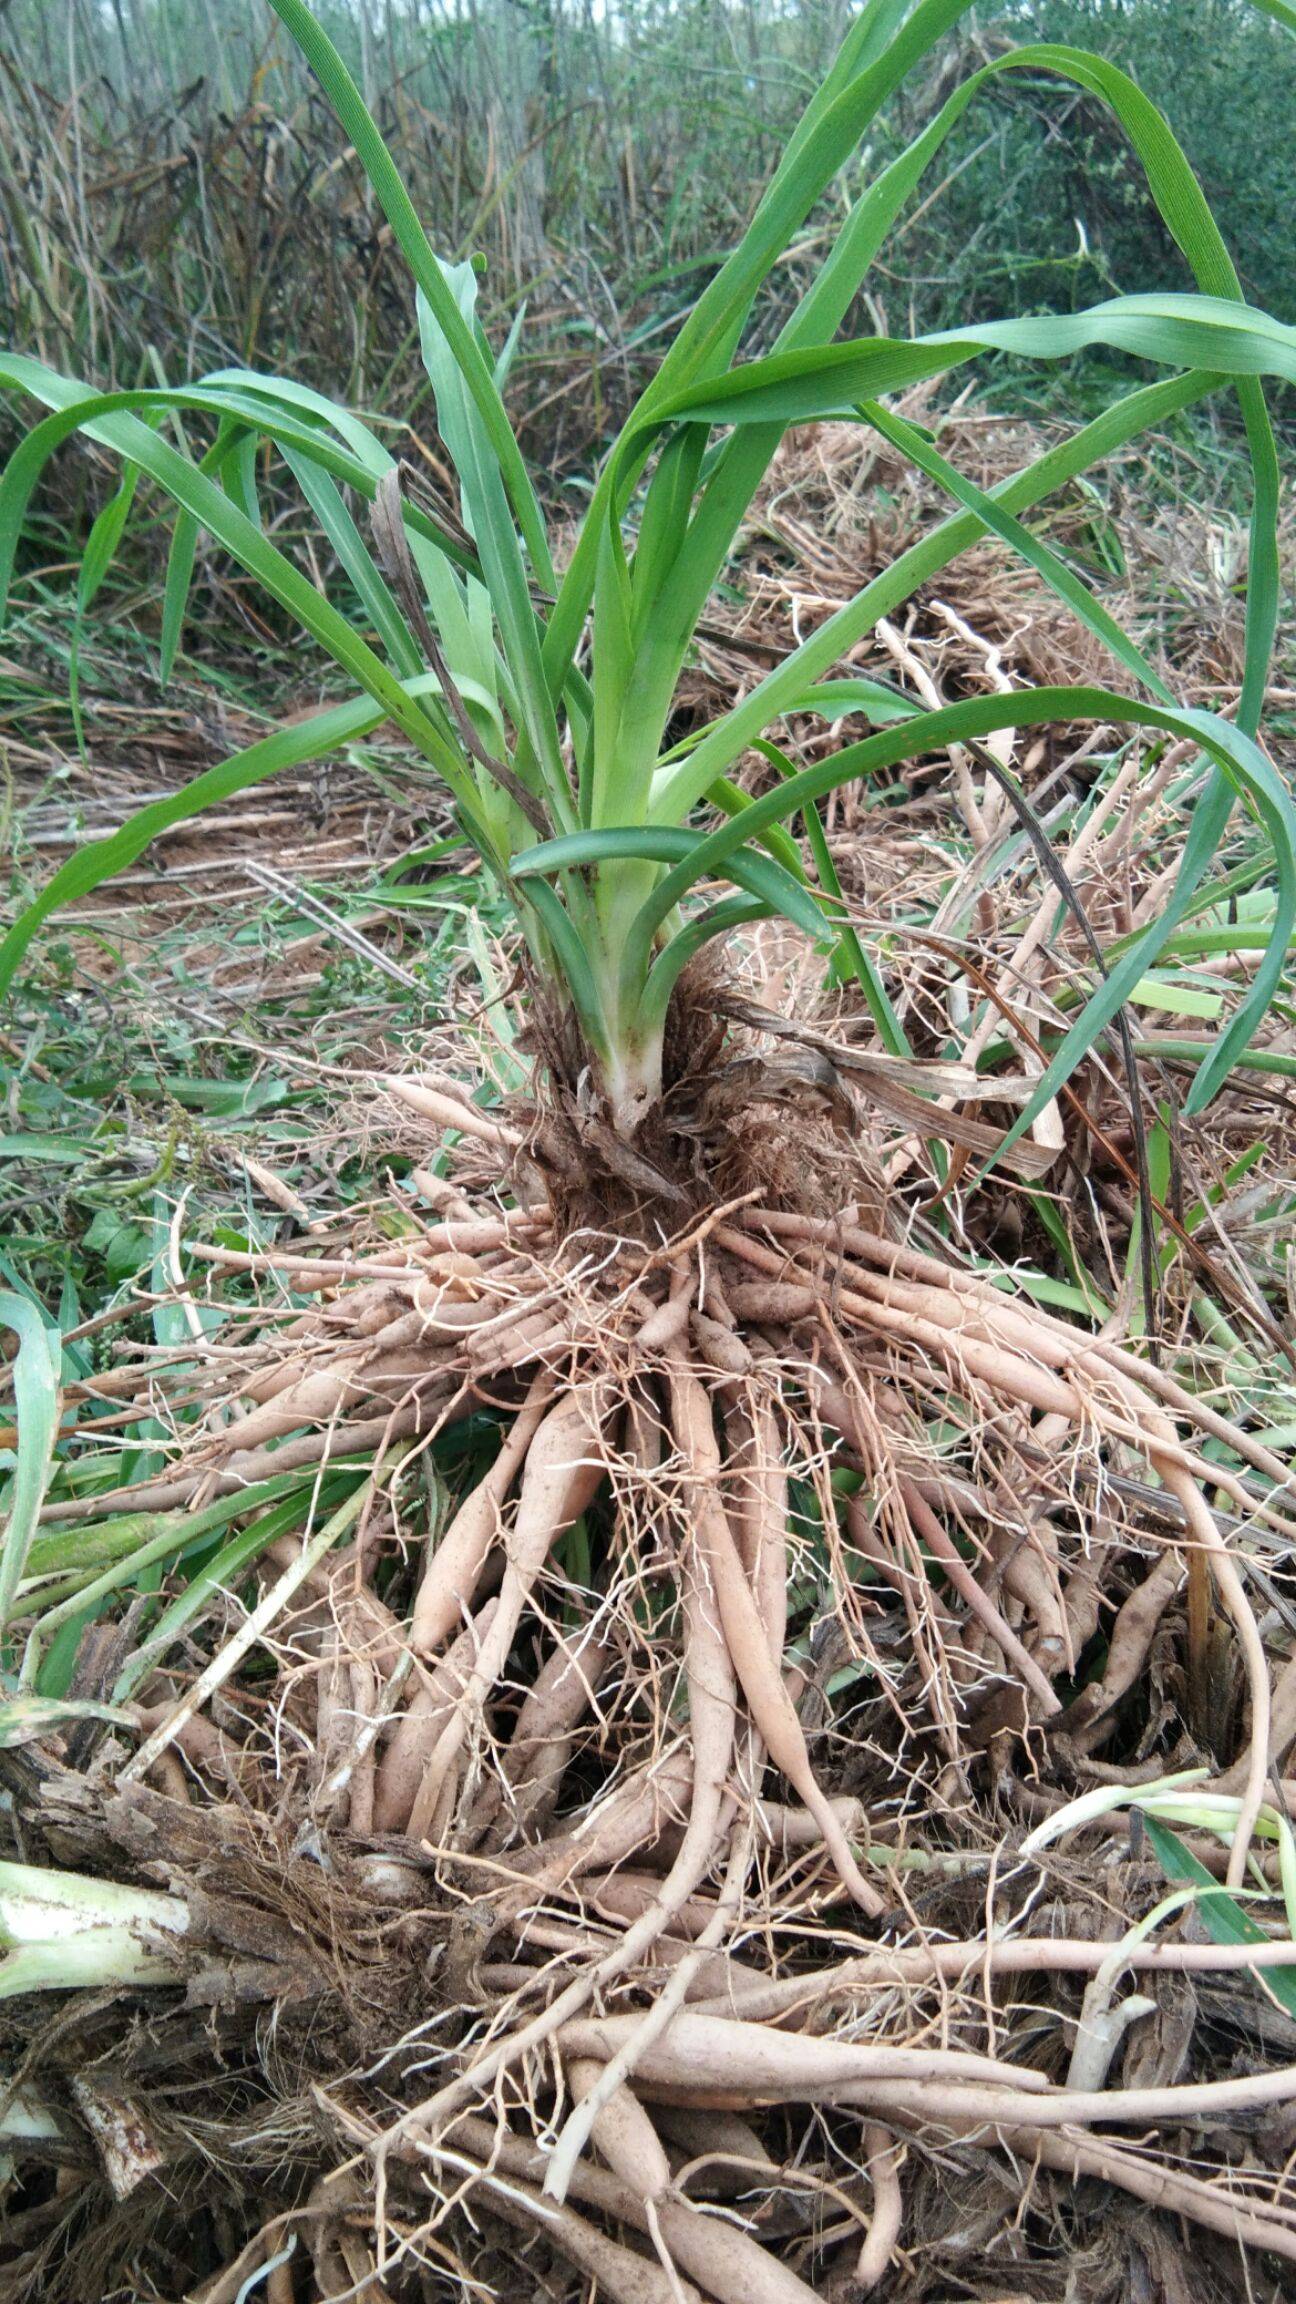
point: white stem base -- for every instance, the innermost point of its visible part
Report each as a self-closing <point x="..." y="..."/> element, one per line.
<point x="632" y="1085"/>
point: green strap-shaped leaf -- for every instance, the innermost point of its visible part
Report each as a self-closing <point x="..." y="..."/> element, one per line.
<point x="880" y="49"/>
<point x="1065" y="581"/>
<point x="198" y="495"/>
<point x="384" y="176"/>
<point x="372" y="589"/>
<point x="1208" y="334"/>
<point x="745" y="455"/>
<point x="76" y="407"/>
<point x="679" y="787"/>
<point x="100" y="551"/>
<point x="715" y="920"/>
<point x="473" y="452"/>
<point x="1245" y="771"/>
<point x="1220" y="1914"/>
<point x="38" y="1399"/>
<point x="761" y="875"/>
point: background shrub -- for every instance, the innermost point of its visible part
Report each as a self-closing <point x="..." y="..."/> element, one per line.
<point x="169" y="178"/>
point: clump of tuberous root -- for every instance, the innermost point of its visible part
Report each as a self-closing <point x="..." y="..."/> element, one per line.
<point x="658" y="1784"/>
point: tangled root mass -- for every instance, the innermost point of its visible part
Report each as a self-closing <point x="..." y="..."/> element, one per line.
<point x="607" y="1880"/>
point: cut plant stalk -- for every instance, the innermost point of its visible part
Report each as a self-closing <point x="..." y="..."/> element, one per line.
<point x="63" y="1932"/>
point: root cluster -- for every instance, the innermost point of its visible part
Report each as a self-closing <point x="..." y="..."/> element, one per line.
<point x="662" y="1766"/>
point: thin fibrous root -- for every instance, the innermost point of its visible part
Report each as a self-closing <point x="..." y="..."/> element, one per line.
<point x="943" y="1548"/>
<point x="1061" y="1345"/>
<point x="970" y="1330"/>
<point x="439" y="1402"/>
<point x="1173" y="2190"/>
<point x="309" y="1272"/>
